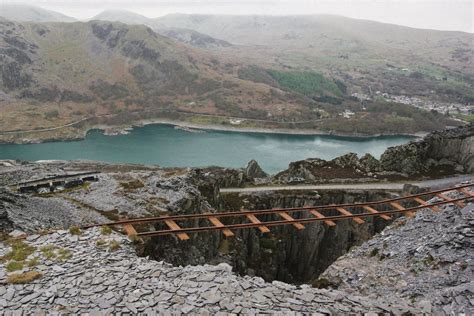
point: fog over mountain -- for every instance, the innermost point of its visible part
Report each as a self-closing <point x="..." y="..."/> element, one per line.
<point x="430" y="14"/>
<point x="22" y="13"/>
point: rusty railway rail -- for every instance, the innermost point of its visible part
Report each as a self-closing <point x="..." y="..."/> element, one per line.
<point x="308" y="214"/>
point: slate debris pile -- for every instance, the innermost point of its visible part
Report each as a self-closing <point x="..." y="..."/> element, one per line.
<point x="97" y="280"/>
<point x="428" y="260"/>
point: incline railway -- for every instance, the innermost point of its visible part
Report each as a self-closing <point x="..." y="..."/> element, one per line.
<point x="182" y="225"/>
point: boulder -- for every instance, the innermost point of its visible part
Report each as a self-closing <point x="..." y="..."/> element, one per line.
<point x="253" y="170"/>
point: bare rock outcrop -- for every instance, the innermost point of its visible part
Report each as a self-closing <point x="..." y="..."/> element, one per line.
<point x="253" y="170"/>
<point x="428" y="260"/>
<point x="450" y="150"/>
<point x="440" y="153"/>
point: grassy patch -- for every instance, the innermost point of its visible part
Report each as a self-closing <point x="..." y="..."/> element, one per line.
<point x="53" y="252"/>
<point x="100" y="243"/>
<point x="132" y="185"/>
<point x="14" y="266"/>
<point x="20" y="251"/>
<point x="105" y="230"/>
<point x="74" y="230"/>
<point x="22" y="278"/>
<point x="32" y="262"/>
<point x="468" y="118"/>
<point x="308" y="83"/>
<point x="64" y="254"/>
<point x="48" y="251"/>
<point x="428" y="260"/>
<point x="114" y="245"/>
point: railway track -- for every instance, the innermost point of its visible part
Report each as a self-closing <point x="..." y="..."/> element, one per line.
<point x="182" y="225"/>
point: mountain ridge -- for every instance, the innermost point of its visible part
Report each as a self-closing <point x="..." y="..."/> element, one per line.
<point x="60" y="73"/>
<point x="29" y="13"/>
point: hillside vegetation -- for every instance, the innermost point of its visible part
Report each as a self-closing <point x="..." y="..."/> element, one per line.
<point x="363" y="54"/>
<point x="308" y="83"/>
<point x="110" y="73"/>
<point x="102" y="68"/>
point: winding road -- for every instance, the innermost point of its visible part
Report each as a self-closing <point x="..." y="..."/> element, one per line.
<point x="46" y="129"/>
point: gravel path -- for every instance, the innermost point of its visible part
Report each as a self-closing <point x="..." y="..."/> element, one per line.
<point x="356" y="186"/>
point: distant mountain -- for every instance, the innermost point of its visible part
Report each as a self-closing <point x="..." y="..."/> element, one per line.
<point x="27" y="13"/>
<point x="186" y="36"/>
<point x="367" y="55"/>
<point x="99" y="68"/>
<point x="192" y="37"/>
<point x="304" y="30"/>
<point x="57" y="73"/>
<point x="124" y="16"/>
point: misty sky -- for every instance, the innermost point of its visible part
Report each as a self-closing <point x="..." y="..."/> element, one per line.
<point x="433" y="14"/>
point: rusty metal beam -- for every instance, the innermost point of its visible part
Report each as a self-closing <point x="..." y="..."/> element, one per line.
<point x="302" y="220"/>
<point x="175" y="228"/>
<point x="271" y="211"/>
<point x="343" y="211"/>
<point x="319" y="215"/>
<point x="129" y="230"/>
<point x="374" y="211"/>
<point x="287" y="219"/>
<point x="466" y="191"/>
<point x="401" y="208"/>
<point x="291" y="219"/>
<point x="447" y="198"/>
<point x="256" y="221"/>
<point x="423" y="202"/>
<point x="216" y="222"/>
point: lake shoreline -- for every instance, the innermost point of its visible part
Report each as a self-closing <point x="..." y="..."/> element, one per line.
<point x="113" y="130"/>
<point x="167" y="145"/>
<point x="213" y="127"/>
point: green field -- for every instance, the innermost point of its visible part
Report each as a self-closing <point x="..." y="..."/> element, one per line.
<point x="311" y="84"/>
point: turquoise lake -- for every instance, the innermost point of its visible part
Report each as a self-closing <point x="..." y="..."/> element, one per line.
<point x="169" y="147"/>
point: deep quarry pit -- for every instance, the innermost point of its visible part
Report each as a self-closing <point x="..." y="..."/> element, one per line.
<point x="285" y="254"/>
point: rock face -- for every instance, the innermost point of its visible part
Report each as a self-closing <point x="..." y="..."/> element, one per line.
<point x="428" y="259"/>
<point x="284" y="254"/>
<point x="96" y="279"/>
<point x="451" y="150"/>
<point x="6" y="223"/>
<point x="438" y="154"/>
<point x="253" y="170"/>
<point x="346" y="167"/>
